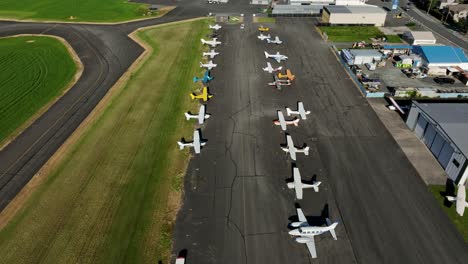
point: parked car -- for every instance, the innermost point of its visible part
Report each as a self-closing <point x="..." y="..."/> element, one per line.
<point x="444" y="80"/>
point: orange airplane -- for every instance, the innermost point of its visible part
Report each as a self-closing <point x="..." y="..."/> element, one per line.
<point x="263" y="29"/>
<point x="288" y="75"/>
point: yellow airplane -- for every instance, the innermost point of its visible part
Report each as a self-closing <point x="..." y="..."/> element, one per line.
<point x="204" y="95"/>
<point x="288" y="75"/>
<point x="263" y="29"/>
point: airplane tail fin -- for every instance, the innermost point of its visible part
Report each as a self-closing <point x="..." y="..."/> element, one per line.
<point x="451" y="198"/>
<point x="306" y="151"/>
<point x="187" y="116"/>
<point x="332" y="228"/>
<point x="203" y="41"/>
<point x="192" y="96"/>
<point x="266" y="54"/>
<point x="316" y="185"/>
<point x="181" y="145"/>
<point x="288" y="111"/>
<point x="296" y="122"/>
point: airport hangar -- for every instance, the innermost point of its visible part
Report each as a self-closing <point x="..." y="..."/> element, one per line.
<point x="354" y="15"/>
<point x="442" y="128"/>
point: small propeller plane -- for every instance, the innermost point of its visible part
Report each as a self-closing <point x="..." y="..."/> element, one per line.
<point x="300" y="111"/>
<point x="278" y="83"/>
<point x="288" y="75"/>
<point x="197" y="143"/>
<point x="263" y="29"/>
<point x="205" y="79"/>
<point x="460" y="200"/>
<point x="277" y="57"/>
<point x="211" y="54"/>
<point x="201" y="116"/>
<point x="270" y="69"/>
<point x="297" y="184"/>
<point x="215" y="27"/>
<point x="292" y="150"/>
<point x="204" y="95"/>
<point x="283" y="123"/>
<point x="305" y="233"/>
<point x="210" y="65"/>
<point x="263" y="37"/>
<point x="213" y="43"/>
<point x="276" y="41"/>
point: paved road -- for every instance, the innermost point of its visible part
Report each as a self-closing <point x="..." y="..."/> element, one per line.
<point x="236" y="205"/>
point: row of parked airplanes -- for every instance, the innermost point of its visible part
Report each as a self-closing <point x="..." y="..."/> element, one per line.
<point x="301" y="230"/>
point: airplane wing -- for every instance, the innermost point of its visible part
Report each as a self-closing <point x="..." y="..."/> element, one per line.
<point x="301" y="110"/>
<point x="201" y="114"/>
<point x="281" y="120"/>
<point x="292" y="149"/>
<point x="196" y="141"/>
<point x="461" y="200"/>
<point x="311" y="246"/>
<point x="270" y="69"/>
<point x="297" y="183"/>
<point x="301" y="215"/>
<point x="278" y="59"/>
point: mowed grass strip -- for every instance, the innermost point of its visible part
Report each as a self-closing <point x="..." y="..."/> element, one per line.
<point x="111" y="200"/>
<point x="355" y="33"/>
<point x="73" y="10"/>
<point x="461" y="222"/>
<point x="34" y="70"/>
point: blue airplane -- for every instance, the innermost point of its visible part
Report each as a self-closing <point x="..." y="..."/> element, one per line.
<point x="205" y="79"/>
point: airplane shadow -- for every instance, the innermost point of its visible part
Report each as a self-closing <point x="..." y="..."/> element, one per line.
<point x="449" y="191"/>
<point x="313" y="220"/>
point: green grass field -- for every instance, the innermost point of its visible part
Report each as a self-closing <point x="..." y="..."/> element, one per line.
<point x="355" y="33"/>
<point x="34" y="70"/>
<point x="111" y="198"/>
<point x="461" y="222"/>
<point x="72" y="10"/>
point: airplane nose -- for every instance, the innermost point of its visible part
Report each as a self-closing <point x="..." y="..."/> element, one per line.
<point x="294" y="232"/>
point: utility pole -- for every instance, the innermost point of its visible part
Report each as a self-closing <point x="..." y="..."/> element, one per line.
<point x="429" y="8"/>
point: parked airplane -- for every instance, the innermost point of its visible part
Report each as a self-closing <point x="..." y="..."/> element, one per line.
<point x="205" y="79"/>
<point x="460" y="200"/>
<point x="197" y="143"/>
<point x="201" y="116"/>
<point x="305" y="233"/>
<point x="276" y="41"/>
<point x="263" y="29"/>
<point x="213" y="43"/>
<point x="211" y="54"/>
<point x="270" y="69"/>
<point x="300" y="111"/>
<point x="215" y="27"/>
<point x="297" y="184"/>
<point x="288" y="75"/>
<point x="283" y="123"/>
<point x="278" y="57"/>
<point x="210" y="65"/>
<point x="292" y="150"/>
<point x="204" y="95"/>
<point x="263" y="37"/>
<point x="278" y="83"/>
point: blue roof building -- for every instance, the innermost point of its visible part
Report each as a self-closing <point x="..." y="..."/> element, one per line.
<point x="442" y="56"/>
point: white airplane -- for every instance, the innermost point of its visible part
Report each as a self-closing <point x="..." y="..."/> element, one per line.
<point x="213" y="43"/>
<point x="460" y="200"/>
<point x="210" y="65"/>
<point x="292" y="150"/>
<point x="278" y="57"/>
<point x="270" y="69"/>
<point x="283" y="123"/>
<point x="211" y="54"/>
<point x="263" y="37"/>
<point x="196" y="143"/>
<point x="215" y="27"/>
<point x="305" y="233"/>
<point x="297" y="184"/>
<point x="300" y="111"/>
<point x="278" y="83"/>
<point x="201" y="116"/>
<point x="276" y="41"/>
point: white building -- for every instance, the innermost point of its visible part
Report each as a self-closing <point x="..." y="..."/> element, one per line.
<point x="354" y="15"/>
<point x="327" y="2"/>
<point x="361" y="56"/>
<point x="419" y="37"/>
<point x="443" y="128"/>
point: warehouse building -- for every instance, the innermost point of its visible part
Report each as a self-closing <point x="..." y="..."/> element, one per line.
<point x="442" y="56"/>
<point x="354" y="15"/>
<point x="419" y="37"/>
<point x="296" y="10"/>
<point x="443" y="128"/>
<point x="361" y="56"/>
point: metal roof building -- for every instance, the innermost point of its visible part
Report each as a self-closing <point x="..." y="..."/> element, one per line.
<point x="442" y="56"/>
<point x="357" y="15"/>
<point x="443" y="128"/>
<point x="296" y="10"/>
<point x="420" y="37"/>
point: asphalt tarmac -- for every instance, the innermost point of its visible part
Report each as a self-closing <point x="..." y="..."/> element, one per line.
<point x="236" y="206"/>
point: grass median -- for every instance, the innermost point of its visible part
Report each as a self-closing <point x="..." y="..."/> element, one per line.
<point x="114" y="195"/>
<point x="35" y="70"/>
<point x="356" y="34"/>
